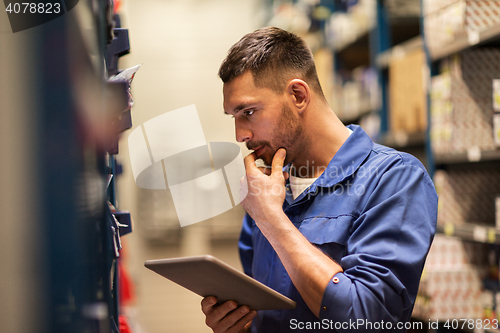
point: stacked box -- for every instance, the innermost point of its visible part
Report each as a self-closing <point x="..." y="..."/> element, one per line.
<point x="358" y="95"/>
<point x="472" y="74"/>
<point x="462" y="117"/>
<point x="449" y="253"/>
<point x="445" y="25"/>
<point x="496" y="115"/>
<point x="454" y="294"/>
<point x="446" y="22"/>
<point x="431" y="6"/>
<point x="497" y="212"/>
<point x="489" y="301"/>
<point x="467" y="194"/>
<point x="480" y="15"/>
<point x="451" y="287"/>
<point x="407" y="93"/>
<point x="324" y="59"/>
<point x="448" y="205"/>
<point x="343" y="28"/>
<point x="403" y="8"/>
<point x="441" y="113"/>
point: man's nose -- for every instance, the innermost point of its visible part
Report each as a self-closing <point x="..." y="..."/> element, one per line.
<point x="243" y="133"/>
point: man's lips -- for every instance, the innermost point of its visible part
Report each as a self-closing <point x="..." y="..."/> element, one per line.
<point x="258" y="150"/>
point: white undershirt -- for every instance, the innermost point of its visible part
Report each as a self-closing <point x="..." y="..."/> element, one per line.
<point x="299" y="185"/>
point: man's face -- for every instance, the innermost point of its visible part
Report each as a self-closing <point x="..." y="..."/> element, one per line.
<point x="263" y="119"/>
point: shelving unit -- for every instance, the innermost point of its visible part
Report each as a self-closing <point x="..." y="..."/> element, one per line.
<point x="471" y="156"/>
<point x="465" y="163"/>
<point x="404" y="140"/>
<point x="398" y="51"/>
<point x="71" y="129"/>
<point x="473" y="38"/>
<point x="359" y="39"/>
<point x="474" y="232"/>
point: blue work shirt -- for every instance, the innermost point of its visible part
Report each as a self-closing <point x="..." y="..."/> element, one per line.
<point x="373" y="210"/>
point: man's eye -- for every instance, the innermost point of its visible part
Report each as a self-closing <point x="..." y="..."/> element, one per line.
<point x="248" y="112"/>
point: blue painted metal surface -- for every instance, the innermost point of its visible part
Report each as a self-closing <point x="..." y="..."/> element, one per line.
<point x="380" y="40"/>
<point x="431" y="167"/>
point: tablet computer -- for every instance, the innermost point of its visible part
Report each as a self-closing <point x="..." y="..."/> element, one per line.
<point x="208" y="276"/>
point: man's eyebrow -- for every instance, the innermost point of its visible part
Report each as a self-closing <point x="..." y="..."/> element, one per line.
<point x="240" y="107"/>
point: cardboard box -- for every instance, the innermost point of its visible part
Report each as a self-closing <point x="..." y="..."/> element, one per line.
<point x="431" y="6"/>
<point x="407" y="93"/>
<point x="450" y="286"/>
<point x="445" y="22"/>
<point x="461" y="102"/>
<point x="441" y="113"/>
<point x="481" y="14"/>
<point x="403" y="8"/>
<point x="472" y="73"/>
<point x="496" y="129"/>
<point x="497" y="212"/>
<point x="496" y="94"/>
<point x="467" y="194"/>
<point x="451" y="294"/>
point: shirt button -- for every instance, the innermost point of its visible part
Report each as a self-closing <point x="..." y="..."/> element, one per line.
<point x="324" y="308"/>
<point x="335" y="280"/>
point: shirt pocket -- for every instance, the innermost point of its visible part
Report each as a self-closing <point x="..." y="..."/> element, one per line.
<point x="329" y="234"/>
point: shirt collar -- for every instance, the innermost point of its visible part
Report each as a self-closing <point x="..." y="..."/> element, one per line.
<point x="347" y="160"/>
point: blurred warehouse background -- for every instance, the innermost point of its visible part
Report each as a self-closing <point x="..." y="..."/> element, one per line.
<point x="422" y="76"/>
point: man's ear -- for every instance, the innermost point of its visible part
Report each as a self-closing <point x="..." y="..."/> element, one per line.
<point x="300" y="93"/>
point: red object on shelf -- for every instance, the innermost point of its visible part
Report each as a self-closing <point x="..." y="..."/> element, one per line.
<point x="118" y="4"/>
<point x="124" y="326"/>
<point x="127" y="292"/>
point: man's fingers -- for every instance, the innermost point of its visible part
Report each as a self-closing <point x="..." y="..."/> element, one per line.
<point x="240" y="324"/>
<point x="207" y="304"/>
<point x="278" y="160"/>
<point x="215" y="315"/>
<point x="234" y="321"/>
<point x="250" y="161"/>
<point x="265" y="170"/>
<point x="243" y="188"/>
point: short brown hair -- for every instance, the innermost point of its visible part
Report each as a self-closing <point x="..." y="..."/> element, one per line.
<point x="274" y="56"/>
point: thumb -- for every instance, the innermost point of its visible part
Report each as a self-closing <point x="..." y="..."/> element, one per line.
<point x="278" y="160"/>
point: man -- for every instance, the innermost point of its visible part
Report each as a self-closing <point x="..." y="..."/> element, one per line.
<point x="347" y="233"/>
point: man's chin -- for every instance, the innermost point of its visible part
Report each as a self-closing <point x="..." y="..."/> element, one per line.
<point x="268" y="160"/>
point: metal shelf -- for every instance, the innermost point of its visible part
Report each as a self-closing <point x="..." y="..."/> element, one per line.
<point x="473" y="38"/>
<point x="473" y="155"/>
<point x="404" y="140"/>
<point x="356" y="116"/>
<point x="359" y="36"/>
<point x="471" y="232"/>
<point x="399" y="51"/>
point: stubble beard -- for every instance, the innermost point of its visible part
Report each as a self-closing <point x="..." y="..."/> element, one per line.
<point x="288" y="135"/>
